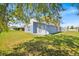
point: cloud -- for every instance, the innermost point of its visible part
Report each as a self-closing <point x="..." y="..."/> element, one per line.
<point x="71" y="10"/>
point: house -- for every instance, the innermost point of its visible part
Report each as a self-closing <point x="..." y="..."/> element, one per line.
<point x="64" y="29"/>
<point x="19" y="25"/>
<point x="34" y="27"/>
<point x="42" y="29"/>
<point x="16" y="28"/>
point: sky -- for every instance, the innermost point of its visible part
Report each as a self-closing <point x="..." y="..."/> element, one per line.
<point x="69" y="16"/>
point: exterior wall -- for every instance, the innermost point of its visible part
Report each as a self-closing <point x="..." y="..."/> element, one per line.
<point x="63" y="29"/>
<point x="52" y="29"/>
<point x="73" y="30"/>
<point x="42" y="29"/>
<point x="30" y="27"/>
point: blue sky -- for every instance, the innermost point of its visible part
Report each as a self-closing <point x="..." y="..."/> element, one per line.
<point x="69" y="17"/>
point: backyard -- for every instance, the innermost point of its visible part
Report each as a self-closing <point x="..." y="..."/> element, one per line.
<point x="21" y="43"/>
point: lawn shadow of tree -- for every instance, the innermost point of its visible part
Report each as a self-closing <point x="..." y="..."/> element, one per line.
<point x="48" y="46"/>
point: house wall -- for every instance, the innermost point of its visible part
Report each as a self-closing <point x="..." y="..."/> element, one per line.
<point x="51" y="29"/>
<point x="29" y="28"/>
<point x="44" y="29"/>
<point x="64" y="29"/>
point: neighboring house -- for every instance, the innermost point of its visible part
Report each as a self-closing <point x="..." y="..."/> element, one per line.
<point x="42" y="29"/>
<point x="64" y="29"/>
<point x="16" y="26"/>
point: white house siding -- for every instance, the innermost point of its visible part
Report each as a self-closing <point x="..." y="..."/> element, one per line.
<point x="64" y="29"/>
<point x="52" y="29"/>
<point x="29" y="28"/>
<point x="44" y="28"/>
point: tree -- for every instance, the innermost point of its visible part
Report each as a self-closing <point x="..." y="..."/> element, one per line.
<point x="3" y="17"/>
<point x="40" y="10"/>
<point x="72" y="27"/>
<point x="48" y="12"/>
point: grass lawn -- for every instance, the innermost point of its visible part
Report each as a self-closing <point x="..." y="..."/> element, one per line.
<point x="71" y="33"/>
<point x="21" y="43"/>
<point x="10" y="39"/>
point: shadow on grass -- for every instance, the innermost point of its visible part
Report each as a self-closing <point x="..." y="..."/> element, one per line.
<point x="49" y="45"/>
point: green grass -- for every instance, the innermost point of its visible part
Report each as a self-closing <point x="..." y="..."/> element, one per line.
<point x="10" y="39"/>
<point x="71" y="33"/>
<point x="61" y="44"/>
<point x="21" y="43"/>
<point x="49" y="45"/>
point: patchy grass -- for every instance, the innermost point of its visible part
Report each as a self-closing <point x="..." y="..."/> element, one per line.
<point x="60" y="44"/>
<point x="49" y="45"/>
<point x="71" y="33"/>
<point x="12" y="38"/>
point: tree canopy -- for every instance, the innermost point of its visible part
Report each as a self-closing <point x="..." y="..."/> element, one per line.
<point x="48" y="12"/>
